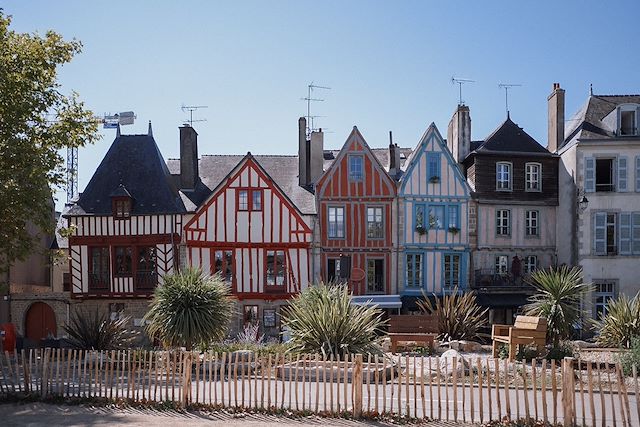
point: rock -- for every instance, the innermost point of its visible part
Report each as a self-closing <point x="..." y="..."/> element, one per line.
<point x="583" y="344"/>
<point x="446" y="362"/>
<point x="466" y="346"/>
<point x="386" y="345"/>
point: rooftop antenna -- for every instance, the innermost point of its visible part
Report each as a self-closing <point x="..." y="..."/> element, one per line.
<point x="460" y="81"/>
<point x="310" y="87"/>
<point x="506" y="87"/>
<point x="191" y="109"/>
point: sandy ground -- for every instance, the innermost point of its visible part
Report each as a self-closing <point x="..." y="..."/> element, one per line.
<point x="40" y="414"/>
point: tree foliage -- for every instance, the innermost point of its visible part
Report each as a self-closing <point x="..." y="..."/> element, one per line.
<point x="36" y="122"/>
<point x="190" y="308"/>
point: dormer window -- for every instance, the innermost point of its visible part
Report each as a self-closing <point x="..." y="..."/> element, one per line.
<point x="122" y="208"/>
<point x="628" y="120"/>
<point x="503" y="176"/>
<point x="533" y="177"/>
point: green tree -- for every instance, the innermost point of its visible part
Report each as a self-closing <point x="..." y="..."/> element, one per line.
<point x="557" y="298"/>
<point x="36" y="122"/>
<point x="190" y="308"/>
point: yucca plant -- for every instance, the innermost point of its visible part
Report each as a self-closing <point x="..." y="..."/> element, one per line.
<point x="557" y="298"/>
<point x="95" y="330"/>
<point x="621" y="324"/>
<point x="322" y="319"/>
<point x="190" y="308"/>
<point x="460" y="317"/>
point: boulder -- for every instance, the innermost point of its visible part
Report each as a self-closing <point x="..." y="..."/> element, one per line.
<point x="583" y="344"/>
<point x="386" y="345"/>
<point x="446" y="362"/>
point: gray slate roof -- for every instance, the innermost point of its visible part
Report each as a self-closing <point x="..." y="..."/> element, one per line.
<point x="509" y="137"/>
<point x="382" y="154"/>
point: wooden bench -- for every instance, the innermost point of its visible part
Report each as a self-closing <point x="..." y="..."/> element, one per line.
<point x="406" y="328"/>
<point x="526" y="330"/>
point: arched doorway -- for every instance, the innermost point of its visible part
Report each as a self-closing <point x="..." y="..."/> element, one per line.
<point x="40" y="322"/>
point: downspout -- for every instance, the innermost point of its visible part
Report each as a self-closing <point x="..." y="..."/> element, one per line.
<point x="397" y="248"/>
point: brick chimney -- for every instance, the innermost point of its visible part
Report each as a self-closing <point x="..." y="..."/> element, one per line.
<point x="459" y="133"/>
<point x="555" y="127"/>
<point x="189" y="174"/>
<point x="316" y="156"/>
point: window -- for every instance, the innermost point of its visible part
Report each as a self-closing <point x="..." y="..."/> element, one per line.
<point x="530" y="264"/>
<point x="503" y="222"/>
<point x="276" y="269"/>
<point x="269" y="318"/>
<point x="375" y="226"/>
<point x="628" y="120"/>
<point x="146" y="275"/>
<point x="66" y="282"/>
<point x="336" y="222"/>
<point x="223" y="264"/>
<point x="503" y="176"/>
<point x="249" y="204"/>
<point x="453" y="218"/>
<point x="532" y="227"/>
<point x="375" y="276"/>
<point x="355" y="167"/>
<point x="414" y="270"/>
<point x="419" y="217"/>
<point x="433" y="167"/>
<point x="116" y="310"/>
<point x="605" y="292"/>
<point x="250" y="315"/>
<point x="502" y="264"/>
<point x="333" y="270"/>
<point x="99" y="276"/>
<point x="622" y="228"/>
<point x="533" y="177"/>
<point x="451" y="271"/>
<point x="123" y="261"/>
<point x="604" y="175"/>
<point x="605" y="233"/>
<point x="122" y="208"/>
<point x="436" y="216"/>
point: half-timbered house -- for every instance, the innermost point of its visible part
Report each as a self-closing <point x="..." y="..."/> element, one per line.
<point x="433" y="200"/>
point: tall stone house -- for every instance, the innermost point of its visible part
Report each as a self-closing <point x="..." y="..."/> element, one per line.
<point x="512" y="216"/>
<point x="599" y="213"/>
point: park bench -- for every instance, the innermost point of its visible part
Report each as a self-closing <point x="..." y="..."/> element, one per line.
<point x="526" y="330"/>
<point x="407" y="328"/>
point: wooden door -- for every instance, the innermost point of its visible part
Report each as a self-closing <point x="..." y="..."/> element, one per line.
<point x="40" y="322"/>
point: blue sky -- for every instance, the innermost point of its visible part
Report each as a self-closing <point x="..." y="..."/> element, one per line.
<point x="389" y="65"/>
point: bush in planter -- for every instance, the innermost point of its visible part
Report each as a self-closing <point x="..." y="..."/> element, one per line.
<point x="434" y="179"/>
<point x="454" y="230"/>
<point x="621" y="323"/>
<point x="632" y="357"/>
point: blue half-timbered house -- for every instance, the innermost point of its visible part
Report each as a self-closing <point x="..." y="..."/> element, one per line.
<point x="433" y="205"/>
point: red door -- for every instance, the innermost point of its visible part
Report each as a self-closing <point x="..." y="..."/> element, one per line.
<point x="40" y="322"/>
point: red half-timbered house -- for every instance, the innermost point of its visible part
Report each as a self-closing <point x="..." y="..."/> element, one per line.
<point x="355" y="198"/>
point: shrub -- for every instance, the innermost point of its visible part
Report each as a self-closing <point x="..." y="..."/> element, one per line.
<point x="460" y="317"/>
<point x="526" y="353"/>
<point x="321" y="319"/>
<point x="560" y="351"/>
<point x="621" y="323"/>
<point x="632" y="357"/>
<point x="97" y="331"/>
<point x="190" y="308"/>
<point x="558" y="297"/>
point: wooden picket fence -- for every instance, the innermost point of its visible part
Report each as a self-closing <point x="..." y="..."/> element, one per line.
<point x="571" y="392"/>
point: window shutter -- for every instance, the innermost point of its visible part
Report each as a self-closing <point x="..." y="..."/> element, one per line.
<point x="625" y="233"/>
<point x="622" y="174"/>
<point x="589" y="174"/>
<point x="637" y="173"/>
<point x="635" y="233"/>
<point x="345" y="266"/>
<point x="600" y="233"/>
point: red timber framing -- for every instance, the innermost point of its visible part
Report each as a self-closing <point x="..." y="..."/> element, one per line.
<point x="254" y="228"/>
<point x="355" y="198"/>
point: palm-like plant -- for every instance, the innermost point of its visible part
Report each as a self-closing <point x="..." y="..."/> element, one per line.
<point x="97" y="331"/>
<point x="621" y="324"/>
<point x="460" y="317"/>
<point x="321" y="319"/>
<point x="558" y="297"/>
<point x="190" y="308"/>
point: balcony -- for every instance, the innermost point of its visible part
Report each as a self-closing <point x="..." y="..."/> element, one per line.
<point x="489" y="279"/>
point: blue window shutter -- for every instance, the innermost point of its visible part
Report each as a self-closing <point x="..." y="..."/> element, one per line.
<point x="589" y="174"/>
<point x="637" y="173"/>
<point x="635" y="233"/>
<point x="622" y="174"/>
<point x="600" y="233"/>
<point x="625" y="233"/>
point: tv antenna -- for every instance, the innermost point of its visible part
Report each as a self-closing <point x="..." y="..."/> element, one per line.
<point x="506" y="87"/>
<point x="460" y="81"/>
<point x="191" y="109"/>
<point x="310" y="87"/>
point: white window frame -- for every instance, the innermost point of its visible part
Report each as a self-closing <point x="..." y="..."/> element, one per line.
<point x="528" y="177"/>
<point x="499" y="173"/>
<point x="607" y="294"/>
<point x="635" y="110"/>
<point x="376" y="210"/>
<point x="532" y="223"/>
<point x="529" y="262"/>
<point x="350" y="169"/>
<point x="339" y="230"/>
<point x="500" y="222"/>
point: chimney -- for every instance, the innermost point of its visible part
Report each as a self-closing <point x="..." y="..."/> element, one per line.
<point x="394" y="157"/>
<point x="555" y="103"/>
<point x="303" y="153"/>
<point x="459" y="133"/>
<point x="189" y="174"/>
<point x="316" y="156"/>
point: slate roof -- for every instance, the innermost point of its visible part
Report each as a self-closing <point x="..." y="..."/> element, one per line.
<point x="382" y="154"/>
<point x="135" y="162"/>
<point x="509" y="137"/>
<point x="587" y="122"/>
<point x="282" y="169"/>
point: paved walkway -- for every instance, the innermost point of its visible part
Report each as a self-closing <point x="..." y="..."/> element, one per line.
<point x="39" y="414"/>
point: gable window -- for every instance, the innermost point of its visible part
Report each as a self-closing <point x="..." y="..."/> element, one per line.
<point x="436" y="216"/>
<point x="503" y="222"/>
<point x="533" y="177"/>
<point x="243" y="200"/>
<point x="223" y="264"/>
<point x="503" y="176"/>
<point x="276" y="269"/>
<point x="355" y="167"/>
<point x="530" y="264"/>
<point x="99" y="276"/>
<point x="123" y="261"/>
<point x="604" y="293"/>
<point x="249" y="200"/>
<point x="375" y="223"/>
<point x="146" y="274"/>
<point x="414" y="270"/>
<point x="532" y="226"/>
<point x="122" y="207"/>
<point x="375" y="276"/>
<point x="256" y="200"/>
<point x="605" y="233"/>
<point x="433" y="167"/>
<point x="335" y="222"/>
<point x="628" y="119"/>
<point x="501" y="264"/>
<point x="451" y="271"/>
